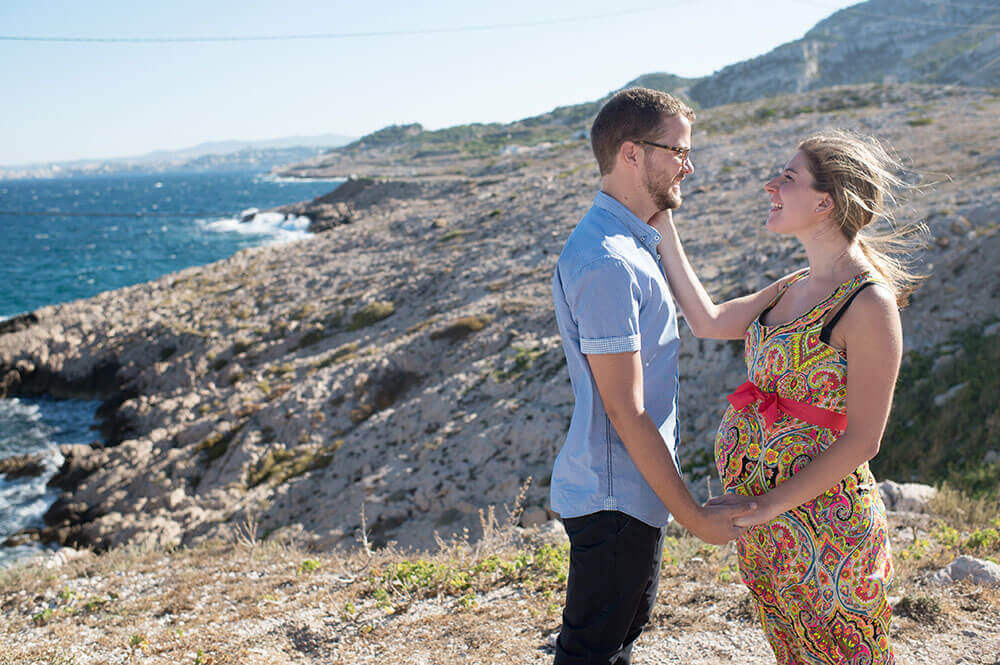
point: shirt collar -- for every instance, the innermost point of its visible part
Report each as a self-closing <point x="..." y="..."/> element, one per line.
<point x="644" y="233"/>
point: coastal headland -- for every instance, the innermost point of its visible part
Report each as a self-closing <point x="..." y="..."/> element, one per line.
<point x="405" y="358"/>
<point x="394" y="375"/>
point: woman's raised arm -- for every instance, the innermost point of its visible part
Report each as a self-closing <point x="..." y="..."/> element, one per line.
<point x="727" y="320"/>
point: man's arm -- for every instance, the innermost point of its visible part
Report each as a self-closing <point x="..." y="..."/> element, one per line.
<point x="619" y="381"/>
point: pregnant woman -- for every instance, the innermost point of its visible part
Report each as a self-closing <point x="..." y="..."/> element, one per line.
<point x="822" y="360"/>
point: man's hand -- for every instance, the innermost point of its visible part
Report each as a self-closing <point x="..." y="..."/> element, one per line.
<point x="718" y="522"/>
<point x="760" y="508"/>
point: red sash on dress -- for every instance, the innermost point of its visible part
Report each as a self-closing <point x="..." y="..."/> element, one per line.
<point x="749" y="393"/>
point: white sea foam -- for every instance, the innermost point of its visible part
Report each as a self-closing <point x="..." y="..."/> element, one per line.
<point x="276" y="226"/>
<point x="25" y="500"/>
<point x="276" y="178"/>
<point x="33" y="426"/>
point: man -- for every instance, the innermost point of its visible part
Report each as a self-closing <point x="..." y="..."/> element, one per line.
<point x="615" y="481"/>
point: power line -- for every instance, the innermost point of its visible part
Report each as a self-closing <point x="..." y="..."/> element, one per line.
<point x="330" y="35"/>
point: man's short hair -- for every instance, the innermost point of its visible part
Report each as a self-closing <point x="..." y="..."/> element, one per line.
<point x="630" y="115"/>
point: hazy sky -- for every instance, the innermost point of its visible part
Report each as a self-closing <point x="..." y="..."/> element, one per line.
<point x="66" y="101"/>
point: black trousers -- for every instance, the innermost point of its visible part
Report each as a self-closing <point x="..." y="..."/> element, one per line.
<point x="614" y="571"/>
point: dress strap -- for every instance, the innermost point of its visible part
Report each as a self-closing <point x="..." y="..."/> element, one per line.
<point x="824" y="334"/>
<point x="843" y="292"/>
<point x="774" y="301"/>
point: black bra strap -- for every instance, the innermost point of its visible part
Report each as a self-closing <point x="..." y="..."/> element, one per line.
<point x="824" y="334"/>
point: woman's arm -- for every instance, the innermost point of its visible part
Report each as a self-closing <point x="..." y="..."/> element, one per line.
<point x="728" y="320"/>
<point x="874" y="339"/>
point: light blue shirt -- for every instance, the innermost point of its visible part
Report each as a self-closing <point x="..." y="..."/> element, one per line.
<point x="611" y="296"/>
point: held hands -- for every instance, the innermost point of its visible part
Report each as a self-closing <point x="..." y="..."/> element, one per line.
<point x="756" y="509"/>
<point x="722" y="520"/>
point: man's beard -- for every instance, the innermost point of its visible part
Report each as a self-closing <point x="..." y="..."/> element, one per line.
<point x="663" y="195"/>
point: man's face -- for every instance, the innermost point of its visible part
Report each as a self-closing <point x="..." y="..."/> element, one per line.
<point x="664" y="169"/>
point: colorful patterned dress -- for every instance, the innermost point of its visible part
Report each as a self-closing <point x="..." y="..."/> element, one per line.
<point x="819" y="572"/>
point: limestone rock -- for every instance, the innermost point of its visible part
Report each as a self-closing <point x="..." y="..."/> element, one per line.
<point x="533" y="516"/>
<point x="79" y="461"/>
<point x="970" y="568"/>
<point x="906" y="497"/>
<point x="551" y="532"/>
<point x="22" y="466"/>
<point x="950" y="394"/>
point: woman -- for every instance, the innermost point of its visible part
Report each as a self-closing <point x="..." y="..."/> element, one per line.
<point x="816" y="556"/>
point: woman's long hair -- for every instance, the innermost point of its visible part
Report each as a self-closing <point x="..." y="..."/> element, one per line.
<point x="859" y="174"/>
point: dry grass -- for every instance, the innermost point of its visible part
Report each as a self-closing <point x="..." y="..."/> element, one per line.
<point x="247" y="601"/>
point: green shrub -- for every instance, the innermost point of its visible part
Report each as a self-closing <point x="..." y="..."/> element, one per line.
<point x="372" y="313"/>
<point x="947" y="443"/>
<point x="451" y="235"/>
<point x="216" y="445"/>
<point x="282" y="464"/>
<point x="43" y="617"/>
<point x="520" y="362"/>
<point x="311" y="337"/>
<point x="462" y="327"/>
<point x="308" y="566"/>
<point x="543" y="569"/>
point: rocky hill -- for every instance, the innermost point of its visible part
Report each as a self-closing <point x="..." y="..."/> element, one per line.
<point x="405" y="361"/>
<point x="879" y="41"/>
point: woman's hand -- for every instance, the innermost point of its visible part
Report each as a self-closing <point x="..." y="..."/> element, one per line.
<point x="661" y="221"/>
<point x="760" y="509"/>
<point x="728" y="320"/>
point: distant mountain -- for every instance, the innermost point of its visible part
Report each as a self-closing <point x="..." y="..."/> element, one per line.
<point x="880" y="41"/>
<point x="211" y="156"/>
<point x="229" y="147"/>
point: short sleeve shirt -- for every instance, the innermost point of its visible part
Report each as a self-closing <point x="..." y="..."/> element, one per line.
<point x="611" y="296"/>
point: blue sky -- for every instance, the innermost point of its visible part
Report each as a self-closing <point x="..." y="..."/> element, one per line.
<point x="78" y="100"/>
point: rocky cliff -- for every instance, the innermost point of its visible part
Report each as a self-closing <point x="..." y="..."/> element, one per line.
<point x="879" y="41"/>
<point x="406" y="361"/>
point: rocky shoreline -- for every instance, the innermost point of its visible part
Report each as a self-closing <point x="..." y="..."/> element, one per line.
<point x="404" y="362"/>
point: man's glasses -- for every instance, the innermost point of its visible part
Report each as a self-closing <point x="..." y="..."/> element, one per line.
<point x="683" y="153"/>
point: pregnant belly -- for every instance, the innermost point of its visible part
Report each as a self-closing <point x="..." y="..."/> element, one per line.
<point x="753" y="459"/>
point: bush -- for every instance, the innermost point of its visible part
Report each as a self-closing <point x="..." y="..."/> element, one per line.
<point x="372" y="313"/>
<point x="462" y="327"/>
<point x="922" y="609"/>
<point x="281" y="464"/>
<point x="947" y="443"/>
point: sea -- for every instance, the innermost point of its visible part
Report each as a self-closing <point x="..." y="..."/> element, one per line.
<point x="62" y="239"/>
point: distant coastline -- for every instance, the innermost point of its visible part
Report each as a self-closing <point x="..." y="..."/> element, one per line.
<point x="264" y="155"/>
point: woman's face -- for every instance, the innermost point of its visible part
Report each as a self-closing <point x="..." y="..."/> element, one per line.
<point x="795" y="205"/>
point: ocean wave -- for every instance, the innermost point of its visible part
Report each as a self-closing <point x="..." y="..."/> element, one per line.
<point x="23" y="430"/>
<point x="25" y="500"/>
<point x="292" y="179"/>
<point x="273" y="225"/>
<point x="33" y="426"/>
